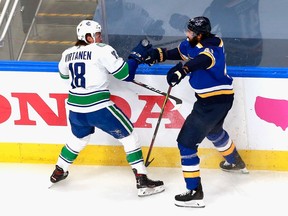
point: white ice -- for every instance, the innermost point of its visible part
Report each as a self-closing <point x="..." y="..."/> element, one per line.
<point x="111" y="190"/>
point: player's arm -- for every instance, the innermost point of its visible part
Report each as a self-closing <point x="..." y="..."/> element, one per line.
<point x="126" y="69"/>
<point x="162" y="54"/>
<point x="201" y="61"/>
<point x="137" y="56"/>
<point x="179" y="71"/>
<point x="63" y="70"/>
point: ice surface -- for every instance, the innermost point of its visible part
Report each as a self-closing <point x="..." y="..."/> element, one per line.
<point x="111" y="190"/>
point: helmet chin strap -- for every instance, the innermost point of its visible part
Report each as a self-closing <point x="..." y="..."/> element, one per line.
<point x="94" y="37"/>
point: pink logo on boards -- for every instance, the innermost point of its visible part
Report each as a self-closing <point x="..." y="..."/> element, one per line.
<point x="273" y="111"/>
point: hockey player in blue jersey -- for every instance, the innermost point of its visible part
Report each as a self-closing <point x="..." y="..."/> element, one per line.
<point x="87" y="66"/>
<point x="204" y="56"/>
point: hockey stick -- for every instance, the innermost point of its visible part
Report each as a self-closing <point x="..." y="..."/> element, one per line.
<point x="147" y="162"/>
<point x="177" y="101"/>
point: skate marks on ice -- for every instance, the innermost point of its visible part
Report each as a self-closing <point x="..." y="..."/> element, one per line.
<point x="90" y="189"/>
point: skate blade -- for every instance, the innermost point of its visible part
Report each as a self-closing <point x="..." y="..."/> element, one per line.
<point x="241" y="171"/>
<point x="142" y="192"/>
<point x="244" y="171"/>
<point x="51" y="185"/>
<point x="190" y="204"/>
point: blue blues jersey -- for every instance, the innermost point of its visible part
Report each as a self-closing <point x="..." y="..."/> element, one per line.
<point x="213" y="80"/>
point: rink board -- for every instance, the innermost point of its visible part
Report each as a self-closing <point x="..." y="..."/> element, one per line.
<point x="115" y="156"/>
<point x="34" y="127"/>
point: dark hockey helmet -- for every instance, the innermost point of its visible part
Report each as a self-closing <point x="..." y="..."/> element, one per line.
<point x="199" y="25"/>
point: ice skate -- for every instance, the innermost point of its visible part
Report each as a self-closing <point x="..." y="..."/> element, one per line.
<point x="58" y="175"/>
<point x="191" y="198"/>
<point x="146" y="186"/>
<point x="239" y="165"/>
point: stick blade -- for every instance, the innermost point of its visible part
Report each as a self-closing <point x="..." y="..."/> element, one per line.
<point x="147" y="163"/>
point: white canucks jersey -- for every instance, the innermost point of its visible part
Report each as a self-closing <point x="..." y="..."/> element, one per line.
<point x="87" y="68"/>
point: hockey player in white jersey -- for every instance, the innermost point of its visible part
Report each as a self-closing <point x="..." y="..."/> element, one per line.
<point x="87" y="66"/>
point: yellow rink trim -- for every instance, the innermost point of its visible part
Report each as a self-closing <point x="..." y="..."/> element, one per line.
<point x="115" y="156"/>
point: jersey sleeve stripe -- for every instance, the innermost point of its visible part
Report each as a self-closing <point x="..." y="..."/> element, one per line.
<point x="122" y="73"/>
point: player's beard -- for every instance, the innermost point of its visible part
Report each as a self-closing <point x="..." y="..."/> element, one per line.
<point x="194" y="41"/>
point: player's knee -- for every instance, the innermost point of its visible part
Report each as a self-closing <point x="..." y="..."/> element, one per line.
<point x="187" y="150"/>
<point x="187" y="142"/>
<point x="218" y="139"/>
<point x="188" y="155"/>
<point x="77" y="144"/>
<point x="131" y="142"/>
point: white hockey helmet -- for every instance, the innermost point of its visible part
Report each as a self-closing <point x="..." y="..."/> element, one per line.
<point x="87" y="26"/>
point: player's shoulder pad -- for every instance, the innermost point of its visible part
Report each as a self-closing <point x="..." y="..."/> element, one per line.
<point x="211" y="41"/>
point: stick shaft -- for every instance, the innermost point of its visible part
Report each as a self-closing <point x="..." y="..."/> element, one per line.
<point x="178" y="101"/>
<point x="147" y="162"/>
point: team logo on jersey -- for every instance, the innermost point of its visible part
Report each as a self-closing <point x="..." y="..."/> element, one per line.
<point x="114" y="53"/>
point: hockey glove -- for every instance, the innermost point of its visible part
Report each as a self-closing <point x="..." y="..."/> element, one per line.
<point x="155" y="56"/>
<point x="176" y="74"/>
<point x="140" y="52"/>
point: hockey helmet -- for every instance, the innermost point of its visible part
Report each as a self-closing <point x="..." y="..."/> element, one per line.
<point x="199" y="25"/>
<point x="87" y="26"/>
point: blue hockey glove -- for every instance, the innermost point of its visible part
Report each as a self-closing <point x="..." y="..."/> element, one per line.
<point x="140" y="52"/>
<point x="176" y="74"/>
